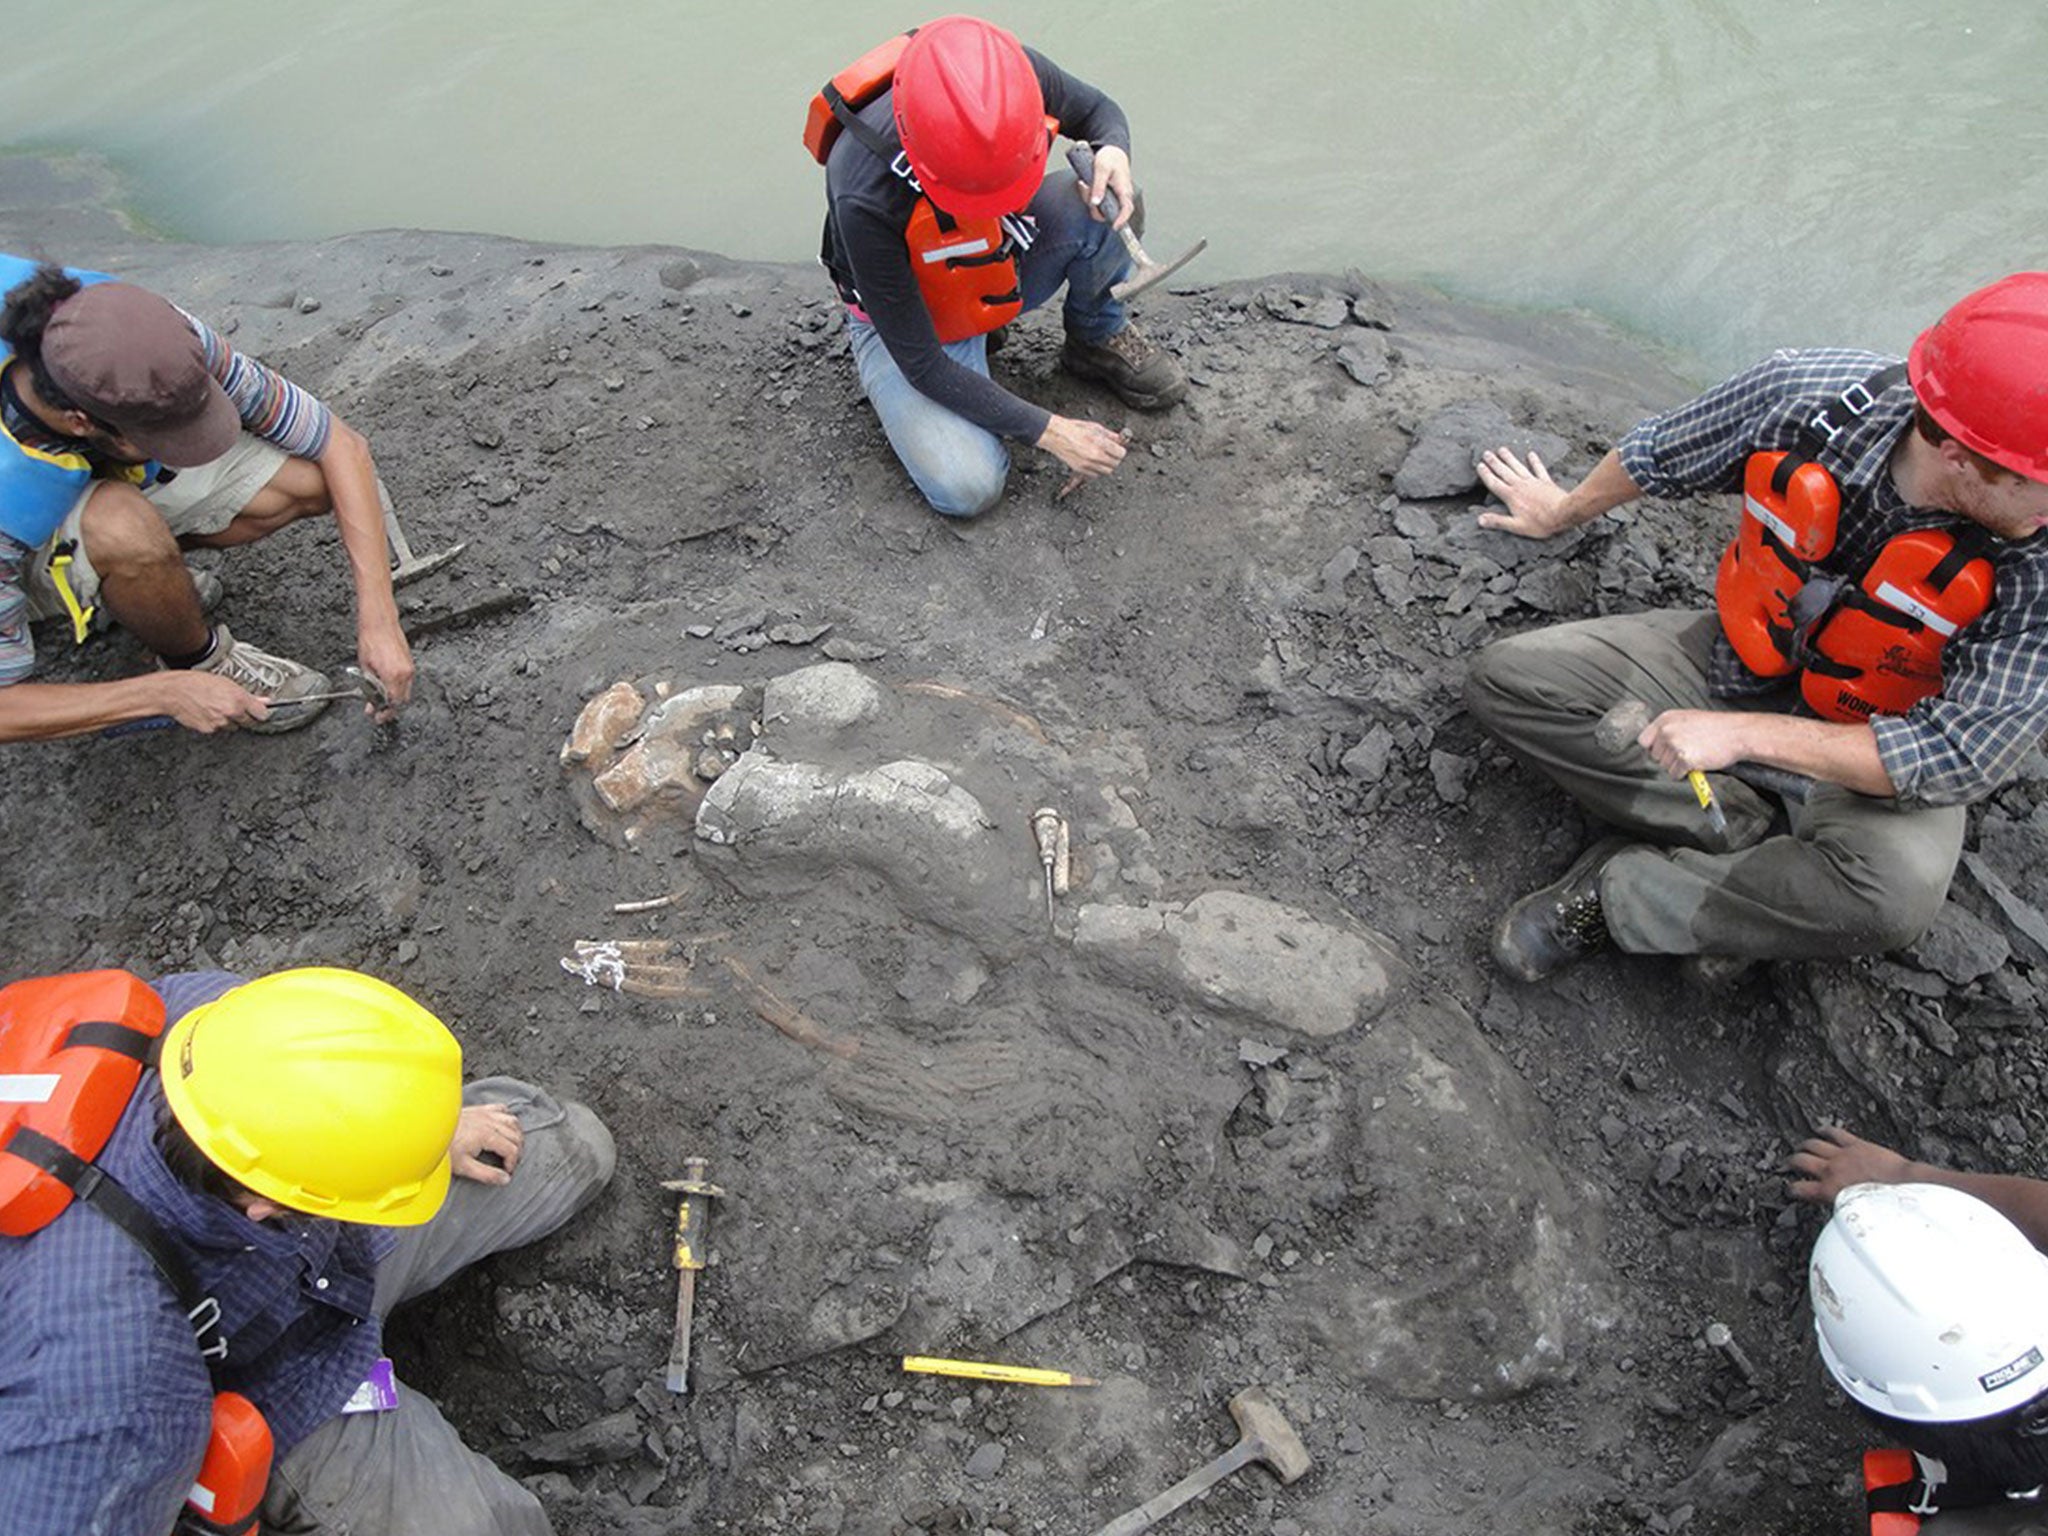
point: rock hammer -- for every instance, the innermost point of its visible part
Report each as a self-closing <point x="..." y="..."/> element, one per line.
<point x="1265" y="1435"/>
<point x="1146" y="271"/>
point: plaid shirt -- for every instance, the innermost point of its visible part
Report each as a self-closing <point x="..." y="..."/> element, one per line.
<point x="1951" y="749"/>
<point x="105" y="1404"/>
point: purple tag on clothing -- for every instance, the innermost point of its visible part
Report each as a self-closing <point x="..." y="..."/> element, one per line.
<point x="377" y="1394"/>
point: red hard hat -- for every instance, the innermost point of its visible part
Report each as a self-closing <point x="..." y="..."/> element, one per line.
<point x="1982" y="372"/>
<point x="972" y="117"/>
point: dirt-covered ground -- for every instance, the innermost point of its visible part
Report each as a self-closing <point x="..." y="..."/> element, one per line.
<point x="1247" y="646"/>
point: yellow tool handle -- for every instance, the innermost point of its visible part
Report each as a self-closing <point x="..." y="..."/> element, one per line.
<point x="984" y="1370"/>
<point x="1704" y="793"/>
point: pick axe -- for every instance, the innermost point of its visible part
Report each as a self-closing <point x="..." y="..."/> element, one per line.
<point x="1082" y="158"/>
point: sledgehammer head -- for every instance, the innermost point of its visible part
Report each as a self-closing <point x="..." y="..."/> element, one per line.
<point x="1267" y="1431"/>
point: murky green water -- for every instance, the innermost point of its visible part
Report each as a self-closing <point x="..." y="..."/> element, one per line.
<point x="1726" y="175"/>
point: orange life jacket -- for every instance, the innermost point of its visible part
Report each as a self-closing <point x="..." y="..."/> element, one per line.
<point x="1863" y="648"/>
<point x="73" y="1050"/>
<point x="1879" y="651"/>
<point x="1789" y="509"/>
<point x="966" y="269"/>
<point x="227" y="1495"/>
<point x="1894" y="1494"/>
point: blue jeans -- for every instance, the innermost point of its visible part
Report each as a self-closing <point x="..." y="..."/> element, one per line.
<point x="959" y="467"/>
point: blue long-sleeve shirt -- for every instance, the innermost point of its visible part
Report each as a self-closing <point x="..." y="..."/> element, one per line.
<point x="104" y="1401"/>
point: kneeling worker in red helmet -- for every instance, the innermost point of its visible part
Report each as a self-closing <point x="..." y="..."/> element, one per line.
<point x="1930" y="1307"/>
<point x="197" y="1259"/>
<point x="942" y="225"/>
<point x="1880" y="627"/>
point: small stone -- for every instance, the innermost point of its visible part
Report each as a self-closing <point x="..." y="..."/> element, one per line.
<point x="1366" y="359"/>
<point x="1367" y="762"/>
<point x="841" y="649"/>
<point x="615" y="1437"/>
<point x="1451" y="774"/>
<point x="986" y="1461"/>
<point x="309" y="306"/>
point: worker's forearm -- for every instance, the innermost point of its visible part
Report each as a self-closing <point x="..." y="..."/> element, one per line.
<point x="359" y="515"/>
<point x="47" y="711"/>
<point x="1835" y="753"/>
<point x="1607" y="487"/>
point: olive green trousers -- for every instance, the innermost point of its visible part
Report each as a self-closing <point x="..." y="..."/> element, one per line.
<point x="1837" y="874"/>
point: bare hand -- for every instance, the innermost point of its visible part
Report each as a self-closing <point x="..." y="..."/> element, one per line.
<point x="1835" y="1159"/>
<point x="384" y="655"/>
<point x="1693" y="740"/>
<point x="1112" y="174"/>
<point x="1088" y="448"/>
<point x="1531" y="497"/>
<point x="486" y="1130"/>
<point x="206" y="702"/>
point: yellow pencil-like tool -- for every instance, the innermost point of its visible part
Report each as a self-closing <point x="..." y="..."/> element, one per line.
<point x="984" y="1370"/>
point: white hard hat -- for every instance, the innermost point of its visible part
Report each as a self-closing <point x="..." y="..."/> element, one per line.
<point x="1929" y="1305"/>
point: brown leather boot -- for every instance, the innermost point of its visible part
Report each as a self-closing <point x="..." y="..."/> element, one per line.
<point x="1143" y="373"/>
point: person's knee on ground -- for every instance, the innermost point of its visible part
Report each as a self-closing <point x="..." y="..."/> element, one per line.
<point x="959" y="473"/>
<point x="960" y="469"/>
<point x="966" y="495"/>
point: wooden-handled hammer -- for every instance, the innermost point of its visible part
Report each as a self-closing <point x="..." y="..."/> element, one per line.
<point x="1265" y="1436"/>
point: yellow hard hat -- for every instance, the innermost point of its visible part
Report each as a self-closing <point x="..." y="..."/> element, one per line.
<point x="324" y="1090"/>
